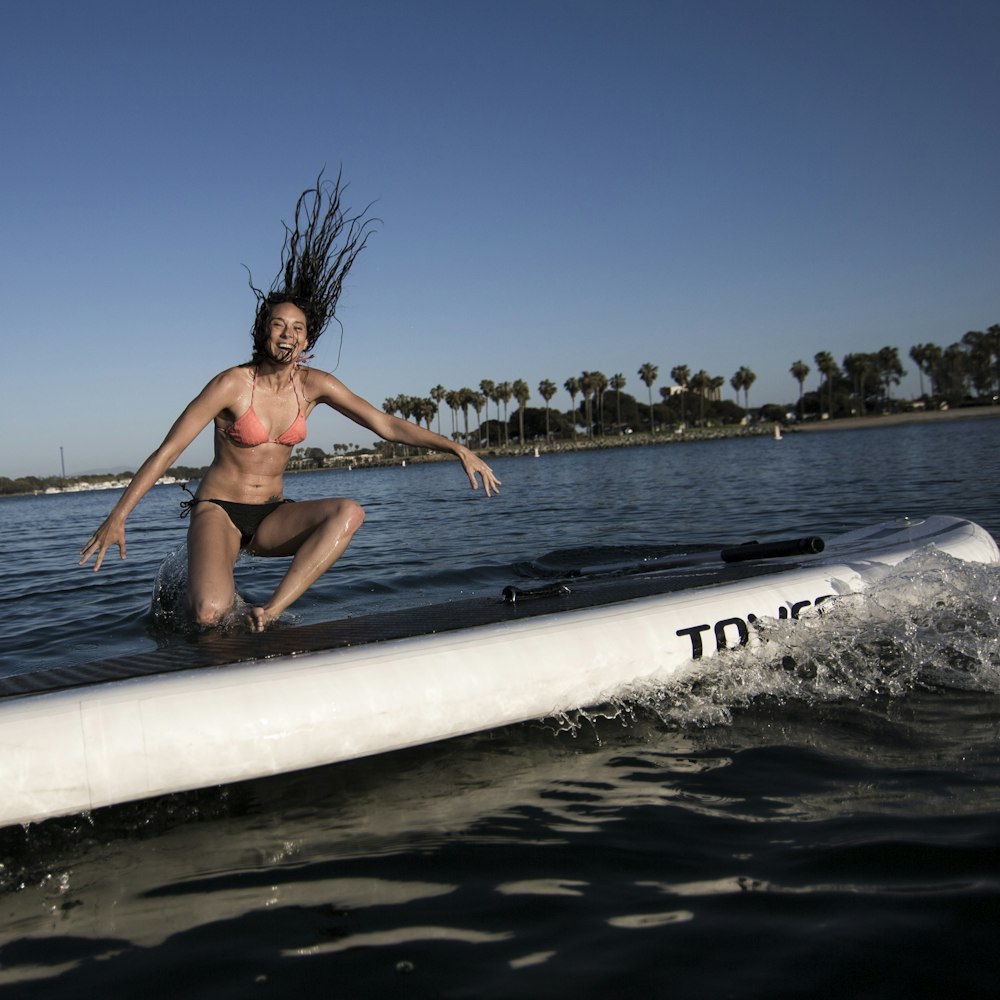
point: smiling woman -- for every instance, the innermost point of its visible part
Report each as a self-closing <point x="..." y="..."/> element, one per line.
<point x="259" y="410"/>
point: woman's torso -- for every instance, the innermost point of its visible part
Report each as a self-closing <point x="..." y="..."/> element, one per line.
<point x="255" y="435"/>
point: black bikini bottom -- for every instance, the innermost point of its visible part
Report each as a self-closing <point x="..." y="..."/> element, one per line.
<point x="246" y="517"/>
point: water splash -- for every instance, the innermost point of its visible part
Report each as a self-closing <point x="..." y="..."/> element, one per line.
<point x="931" y="624"/>
<point x="169" y="604"/>
<point x="169" y="601"/>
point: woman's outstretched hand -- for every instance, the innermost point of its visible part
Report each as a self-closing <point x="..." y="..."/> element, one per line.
<point x="112" y="532"/>
<point x="474" y="466"/>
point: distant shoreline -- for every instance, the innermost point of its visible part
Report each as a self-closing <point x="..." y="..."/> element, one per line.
<point x="641" y="439"/>
<point x="895" y="419"/>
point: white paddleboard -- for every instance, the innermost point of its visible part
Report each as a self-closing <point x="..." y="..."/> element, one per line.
<point x="77" y="738"/>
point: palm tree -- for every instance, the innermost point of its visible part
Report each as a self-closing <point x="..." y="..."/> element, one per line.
<point x="454" y="401"/>
<point x="699" y="383"/>
<point x="890" y="369"/>
<point x="522" y="394"/>
<point x="465" y="395"/>
<point x="742" y="380"/>
<point x="546" y="389"/>
<point x="430" y="412"/>
<point x="478" y="402"/>
<point x="437" y="394"/>
<point x="799" y="372"/>
<point x="923" y="356"/>
<point x="952" y="378"/>
<point x="504" y="392"/>
<point x="934" y="355"/>
<point x="647" y="373"/>
<point x="681" y="374"/>
<point x="587" y="387"/>
<point x="860" y="368"/>
<point x="418" y="408"/>
<point x="494" y="394"/>
<point x="487" y="388"/>
<point x="572" y="386"/>
<point x="829" y="369"/>
<point x="600" y="381"/>
<point x="749" y="377"/>
<point x="715" y="384"/>
<point x="979" y="360"/>
<point x="617" y="383"/>
<point x="409" y="407"/>
<point x="993" y="337"/>
<point x="737" y="383"/>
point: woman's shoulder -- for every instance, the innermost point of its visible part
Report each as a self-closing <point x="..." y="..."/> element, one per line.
<point x="316" y="383"/>
<point x="228" y="384"/>
<point x="238" y="375"/>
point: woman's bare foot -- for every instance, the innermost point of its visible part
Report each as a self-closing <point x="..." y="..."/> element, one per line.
<point x="259" y="619"/>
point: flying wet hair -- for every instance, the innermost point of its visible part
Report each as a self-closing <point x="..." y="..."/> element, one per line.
<point x="318" y="251"/>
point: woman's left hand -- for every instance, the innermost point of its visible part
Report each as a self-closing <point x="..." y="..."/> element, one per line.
<point x="474" y="466"/>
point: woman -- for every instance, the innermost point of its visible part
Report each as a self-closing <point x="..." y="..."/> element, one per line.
<point x="260" y="411"/>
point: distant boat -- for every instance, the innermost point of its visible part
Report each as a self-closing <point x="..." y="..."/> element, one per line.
<point x="777" y="431"/>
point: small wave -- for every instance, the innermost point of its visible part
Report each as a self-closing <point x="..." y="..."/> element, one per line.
<point x="931" y="624"/>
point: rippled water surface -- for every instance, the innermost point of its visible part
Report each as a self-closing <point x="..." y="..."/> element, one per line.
<point x="825" y="819"/>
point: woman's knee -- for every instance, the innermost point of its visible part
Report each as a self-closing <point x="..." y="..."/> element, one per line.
<point x="347" y="513"/>
<point x="210" y="610"/>
<point x="357" y="514"/>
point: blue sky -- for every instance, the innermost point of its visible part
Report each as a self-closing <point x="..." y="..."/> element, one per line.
<point x="562" y="186"/>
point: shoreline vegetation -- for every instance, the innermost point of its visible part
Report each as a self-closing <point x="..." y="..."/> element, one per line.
<point x="963" y="378"/>
<point x="34" y="486"/>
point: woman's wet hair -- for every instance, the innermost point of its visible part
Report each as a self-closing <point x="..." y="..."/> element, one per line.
<point x="318" y="251"/>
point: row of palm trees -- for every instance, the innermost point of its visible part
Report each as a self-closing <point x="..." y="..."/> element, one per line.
<point x="965" y="369"/>
<point x="883" y="368"/>
<point x="424" y="409"/>
<point x="591" y="387"/>
<point x="974" y="363"/>
<point x="971" y="365"/>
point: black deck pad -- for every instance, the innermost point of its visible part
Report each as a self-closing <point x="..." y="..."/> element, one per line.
<point x="213" y="649"/>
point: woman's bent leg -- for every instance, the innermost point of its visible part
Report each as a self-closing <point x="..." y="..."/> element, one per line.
<point x="316" y="533"/>
<point x="213" y="546"/>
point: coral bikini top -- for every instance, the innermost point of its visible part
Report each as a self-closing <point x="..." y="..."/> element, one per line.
<point x="247" y="430"/>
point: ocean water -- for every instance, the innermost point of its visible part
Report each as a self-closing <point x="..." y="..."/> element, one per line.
<point x="832" y="829"/>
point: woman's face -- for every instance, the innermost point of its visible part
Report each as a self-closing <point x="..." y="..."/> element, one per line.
<point x="286" y="333"/>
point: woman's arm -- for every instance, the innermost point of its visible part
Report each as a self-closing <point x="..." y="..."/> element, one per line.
<point x="334" y="393"/>
<point x="195" y="418"/>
